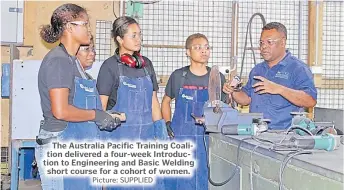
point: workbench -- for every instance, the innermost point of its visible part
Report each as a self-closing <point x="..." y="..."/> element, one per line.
<point x="320" y="170"/>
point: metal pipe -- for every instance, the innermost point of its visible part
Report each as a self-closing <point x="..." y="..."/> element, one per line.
<point x="248" y="31"/>
<point x="316" y="32"/>
<point x="235" y="13"/>
<point x="300" y="28"/>
<point x="121" y="4"/>
<point x="164" y="46"/>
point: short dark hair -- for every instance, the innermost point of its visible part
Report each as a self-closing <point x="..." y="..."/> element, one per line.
<point x="190" y="39"/>
<point x="277" y="26"/>
<point x="61" y="16"/>
<point x="120" y="27"/>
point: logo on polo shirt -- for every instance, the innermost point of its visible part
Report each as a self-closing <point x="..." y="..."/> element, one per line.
<point x="86" y="88"/>
<point x="283" y="75"/>
<point x="129" y="85"/>
<point x="187" y="97"/>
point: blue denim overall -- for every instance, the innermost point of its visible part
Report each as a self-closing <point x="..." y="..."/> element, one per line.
<point x="86" y="97"/>
<point x="183" y="124"/>
<point x="134" y="98"/>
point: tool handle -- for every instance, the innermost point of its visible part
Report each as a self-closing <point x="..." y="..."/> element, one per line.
<point x="229" y="130"/>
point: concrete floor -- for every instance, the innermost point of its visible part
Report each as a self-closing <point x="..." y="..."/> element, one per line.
<point x="5" y="182"/>
<point x="30" y="185"/>
<point x="23" y="185"/>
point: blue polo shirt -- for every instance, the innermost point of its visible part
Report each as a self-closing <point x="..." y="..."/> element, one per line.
<point x="290" y="72"/>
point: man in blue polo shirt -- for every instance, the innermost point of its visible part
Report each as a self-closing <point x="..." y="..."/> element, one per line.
<point x="279" y="85"/>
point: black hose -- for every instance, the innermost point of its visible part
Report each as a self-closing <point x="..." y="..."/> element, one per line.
<point x="208" y="165"/>
<point x="248" y="30"/>
<point x="284" y="164"/>
<point x="300" y="128"/>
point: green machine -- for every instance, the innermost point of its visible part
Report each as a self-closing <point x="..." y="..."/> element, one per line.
<point x="326" y="141"/>
<point x="134" y="9"/>
<point x="303" y="125"/>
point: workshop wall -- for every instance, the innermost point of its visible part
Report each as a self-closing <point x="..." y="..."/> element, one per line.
<point x="39" y="13"/>
<point x="36" y="14"/>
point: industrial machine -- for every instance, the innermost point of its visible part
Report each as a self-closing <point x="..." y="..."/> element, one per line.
<point x="303" y="125"/>
<point x="310" y="135"/>
<point x="219" y="117"/>
<point x="326" y="141"/>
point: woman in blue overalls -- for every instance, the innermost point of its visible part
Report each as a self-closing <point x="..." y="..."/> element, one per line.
<point x="127" y="83"/>
<point x="188" y="86"/>
<point x="69" y="99"/>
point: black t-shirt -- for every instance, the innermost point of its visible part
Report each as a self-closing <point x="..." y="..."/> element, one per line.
<point x="108" y="77"/>
<point x="57" y="70"/>
<point x="175" y="80"/>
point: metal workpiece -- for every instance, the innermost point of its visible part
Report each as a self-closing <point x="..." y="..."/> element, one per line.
<point x="316" y="171"/>
<point x="227" y="117"/>
<point x="219" y="117"/>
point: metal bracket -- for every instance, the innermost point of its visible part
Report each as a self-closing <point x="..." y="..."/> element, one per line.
<point x="15" y="10"/>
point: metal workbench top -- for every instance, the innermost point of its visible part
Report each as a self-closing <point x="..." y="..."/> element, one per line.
<point x="328" y="164"/>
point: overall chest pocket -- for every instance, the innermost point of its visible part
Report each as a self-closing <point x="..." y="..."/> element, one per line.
<point x="91" y="102"/>
<point x="137" y="101"/>
<point x="85" y="94"/>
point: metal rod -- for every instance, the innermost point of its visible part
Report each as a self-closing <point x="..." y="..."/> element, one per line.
<point x="316" y="32"/>
<point x="121" y="4"/>
<point x="163" y="46"/>
<point x="235" y="13"/>
<point x="300" y="29"/>
<point x="14" y="53"/>
<point x="252" y="48"/>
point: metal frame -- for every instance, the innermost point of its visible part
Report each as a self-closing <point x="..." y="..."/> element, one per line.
<point x="17" y="161"/>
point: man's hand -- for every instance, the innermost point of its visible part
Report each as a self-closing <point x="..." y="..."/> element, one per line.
<point x="266" y="86"/>
<point x="233" y="86"/>
<point x="227" y="89"/>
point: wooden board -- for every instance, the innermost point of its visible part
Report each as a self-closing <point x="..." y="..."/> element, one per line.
<point x="38" y="13"/>
<point x="5" y="104"/>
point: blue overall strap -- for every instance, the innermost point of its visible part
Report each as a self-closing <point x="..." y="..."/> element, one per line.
<point x="81" y="70"/>
<point x="190" y="101"/>
<point x="119" y="69"/>
<point x="184" y="75"/>
<point x="185" y="72"/>
<point x="146" y="71"/>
